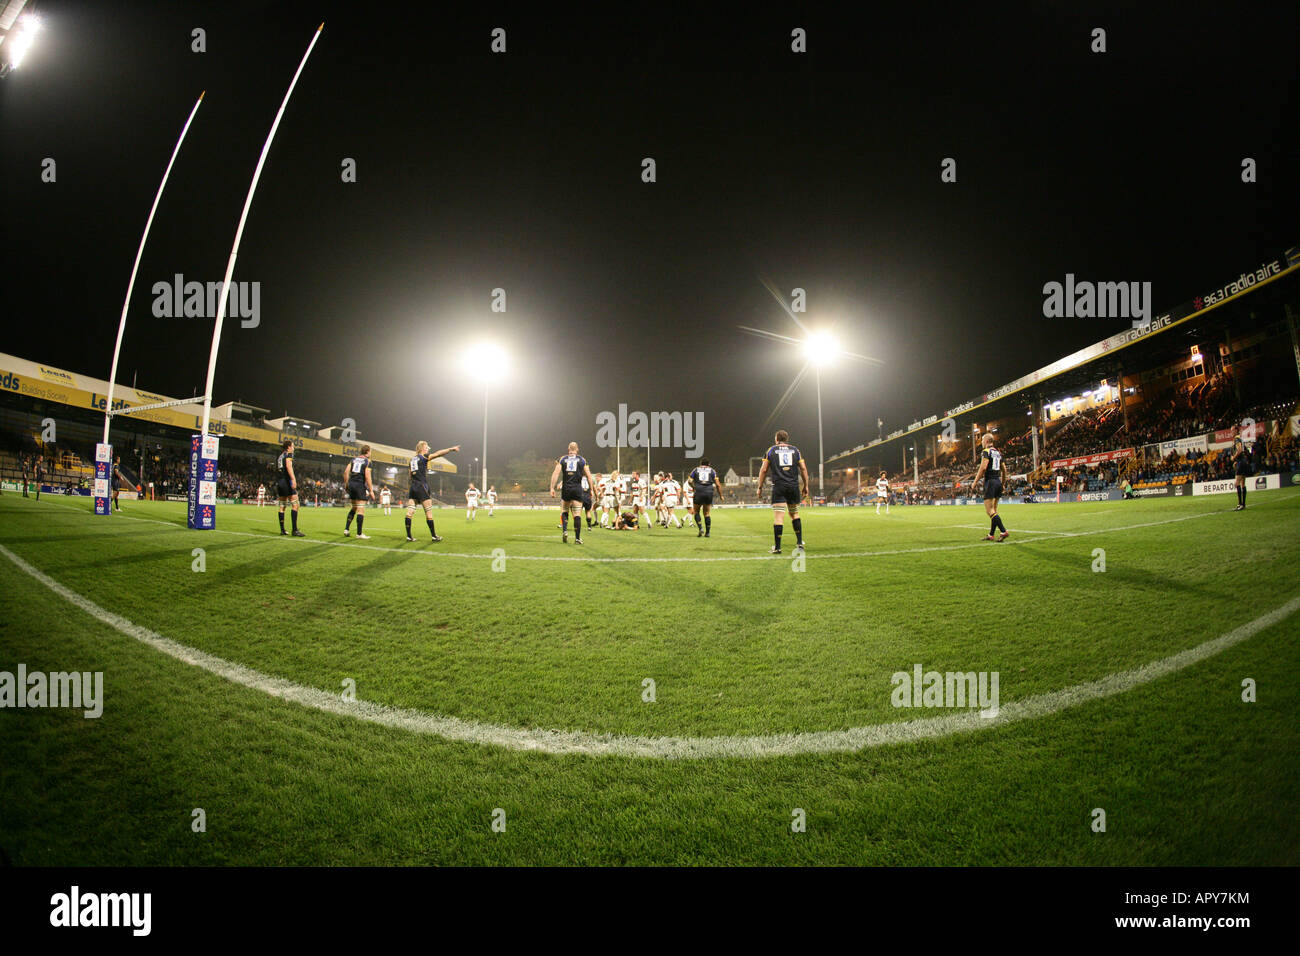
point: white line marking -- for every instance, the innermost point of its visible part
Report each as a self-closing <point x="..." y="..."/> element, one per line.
<point x="664" y="748"/>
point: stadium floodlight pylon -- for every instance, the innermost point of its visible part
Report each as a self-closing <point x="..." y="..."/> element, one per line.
<point x="104" y="451"/>
<point x="203" y="447"/>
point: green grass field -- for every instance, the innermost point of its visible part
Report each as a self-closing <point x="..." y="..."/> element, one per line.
<point x="746" y="651"/>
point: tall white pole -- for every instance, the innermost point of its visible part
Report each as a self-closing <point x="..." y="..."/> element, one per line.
<point x="239" y="232"/>
<point x="821" y="455"/>
<point x="485" y="403"/>
<point x="139" y="252"/>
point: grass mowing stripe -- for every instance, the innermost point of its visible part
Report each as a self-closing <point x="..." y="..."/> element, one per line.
<point x="579" y="742"/>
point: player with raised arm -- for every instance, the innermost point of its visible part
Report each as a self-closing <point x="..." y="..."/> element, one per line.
<point x="286" y="486"/>
<point x="789" y="474"/>
<point x="570" y="470"/>
<point x="419" y="491"/>
<point x="882" y="492"/>
<point x="991" y="471"/>
<point x="356" y="478"/>
<point x="704" y="486"/>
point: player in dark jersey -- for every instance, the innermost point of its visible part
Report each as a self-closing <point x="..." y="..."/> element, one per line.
<point x="117" y="480"/>
<point x="356" y="478"/>
<point x="991" y="471"/>
<point x="704" y="487"/>
<point x="286" y="486"/>
<point x="38" y="470"/>
<point x="1241" y="469"/>
<point x="569" y="473"/>
<point x="627" y="521"/>
<point x="419" y="492"/>
<point x="26" y="477"/>
<point x="789" y="474"/>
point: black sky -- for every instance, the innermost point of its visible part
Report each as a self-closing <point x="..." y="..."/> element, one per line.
<point x="522" y="171"/>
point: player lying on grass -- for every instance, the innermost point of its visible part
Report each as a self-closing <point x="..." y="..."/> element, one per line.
<point x="419" y="492"/>
<point x="991" y="471"/>
<point x="626" y="522"/>
<point x="789" y="474"/>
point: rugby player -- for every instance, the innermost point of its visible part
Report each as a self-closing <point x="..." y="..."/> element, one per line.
<point x="882" y="492"/>
<point x="608" y="498"/>
<point x="569" y="472"/>
<point x="386" y="499"/>
<point x="471" y="502"/>
<point x="419" y="490"/>
<point x="991" y="471"/>
<point x="492" y="500"/>
<point x="671" y="490"/>
<point x="789" y="475"/>
<point x="1241" y="469"/>
<point x="703" y="482"/>
<point x="356" y="478"/>
<point x="286" y="486"/>
<point x="119" y="480"/>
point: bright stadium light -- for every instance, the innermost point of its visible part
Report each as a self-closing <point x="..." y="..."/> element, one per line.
<point x="21" y="40"/>
<point x="820" y="348"/>
<point x="489" y="363"/>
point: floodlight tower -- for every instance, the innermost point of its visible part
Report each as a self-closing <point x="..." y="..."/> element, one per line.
<point x="487" y="362"/>
<point x="820" y="348"/>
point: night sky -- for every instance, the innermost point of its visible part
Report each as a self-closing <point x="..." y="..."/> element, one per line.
<point x="523" y="171"/>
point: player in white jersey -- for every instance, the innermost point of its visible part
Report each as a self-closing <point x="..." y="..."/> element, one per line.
<point x="471" y="502"/>
<point x="670" y="492"/>
<point x="688" y="502"/>
<point x="608" y="498"/>
<point x="882" y="493"/>
<point x="639" y="488"/>
<point x="492" y="499"/>
<point x="261" y="495"/>
<point x="386" y="499"/>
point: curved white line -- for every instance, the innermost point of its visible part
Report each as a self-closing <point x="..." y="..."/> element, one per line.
<point x="663" y="748"/>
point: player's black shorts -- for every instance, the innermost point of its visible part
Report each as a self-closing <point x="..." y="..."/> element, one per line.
<point x="571" y="494"/>
<point x="586" y="501"/>
<point x="1243" y="469"/>
<point x="703" y="498"/>
<point x="283" y="489"/>
<point x="357" y="491"/>
<point x="992" y="488"/>
<point x="118" y="484"/>
<point x="786" y="494"/>
<point x="419" y="492"/>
